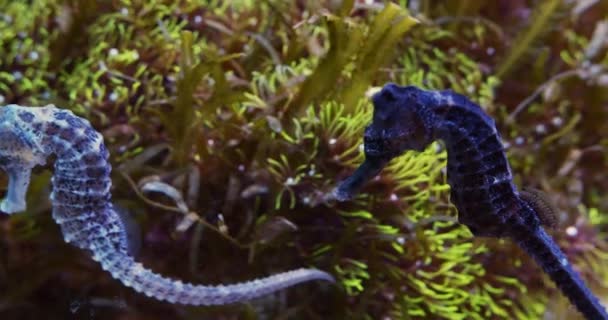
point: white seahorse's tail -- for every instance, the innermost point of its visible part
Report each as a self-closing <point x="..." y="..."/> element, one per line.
<point x="133" y="274"/>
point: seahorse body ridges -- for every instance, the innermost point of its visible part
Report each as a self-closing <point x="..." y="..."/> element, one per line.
<point x="81" y="204"/>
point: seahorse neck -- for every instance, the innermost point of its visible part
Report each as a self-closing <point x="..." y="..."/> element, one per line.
<point x="456" y="120"/>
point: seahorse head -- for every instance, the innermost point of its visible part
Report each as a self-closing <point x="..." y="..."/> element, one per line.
<point x="399" y="122"/>
<point x="19" y="146"/>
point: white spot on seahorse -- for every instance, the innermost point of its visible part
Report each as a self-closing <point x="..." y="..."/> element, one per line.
<point x="137" y="269"/>
<point x="437" y="96"/>
<point x="449" y="100"/>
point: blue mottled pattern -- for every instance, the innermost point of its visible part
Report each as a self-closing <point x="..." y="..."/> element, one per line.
<point x="82" y="207"/>
<point x="482" y="189"/>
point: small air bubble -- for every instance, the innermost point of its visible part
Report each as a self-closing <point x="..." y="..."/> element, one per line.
<point x="17" y="75"/>
<point x="564" y="262"/>
<point x="290" y="181"/>
<point x="400" y="240"/>
<point x="8" y="19"/>
<point x="34" y="55"/>
<point x="490" y="51"/>
<point x="394" y="197"/>
<point x="361" y="147"/>
<point x="210" y="142"/>
<point x="519" y="141"/>
<point x="112" y="52"/>
<point x="572" y="231"/>
<point x="198" y="19"/>
<point x="557" y="121"/>
<point x="595" y="70"/>
<point x="241" y="168"/>
<point x="2" y="99"/>
<point x="124" y="11"/>
<point x="332" y="141"/>
<point x="540" y="128"/>
<point x="113" y="96"/>
<point x="222" y="223"/>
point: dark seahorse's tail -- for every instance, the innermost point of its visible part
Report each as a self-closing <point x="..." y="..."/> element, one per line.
<point x="133" y="274"/>
<point x="539" y="245"/>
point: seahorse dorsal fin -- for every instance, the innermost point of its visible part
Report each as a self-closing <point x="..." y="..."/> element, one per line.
<point x="131" y="228"/>
<point x="544" y="208"/>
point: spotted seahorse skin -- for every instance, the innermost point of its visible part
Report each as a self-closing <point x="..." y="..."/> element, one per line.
<point x="482" y="189"/>
<point x="81" y="204"/>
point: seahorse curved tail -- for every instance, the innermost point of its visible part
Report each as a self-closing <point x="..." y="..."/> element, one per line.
<point x="552" y="260"/>
<point x="133" y="274"/>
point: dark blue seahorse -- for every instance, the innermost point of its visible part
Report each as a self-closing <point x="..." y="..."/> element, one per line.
<point x="82" y="207"/>
<point x="482" y="189"/>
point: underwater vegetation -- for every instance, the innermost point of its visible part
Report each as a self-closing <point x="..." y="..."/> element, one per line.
<point x="229" y="121"/>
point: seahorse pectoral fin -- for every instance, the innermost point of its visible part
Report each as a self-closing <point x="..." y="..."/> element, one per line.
<point x="542" y="206"/>
<point x="18" y="182"/>
<point x="132" y="231"/>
